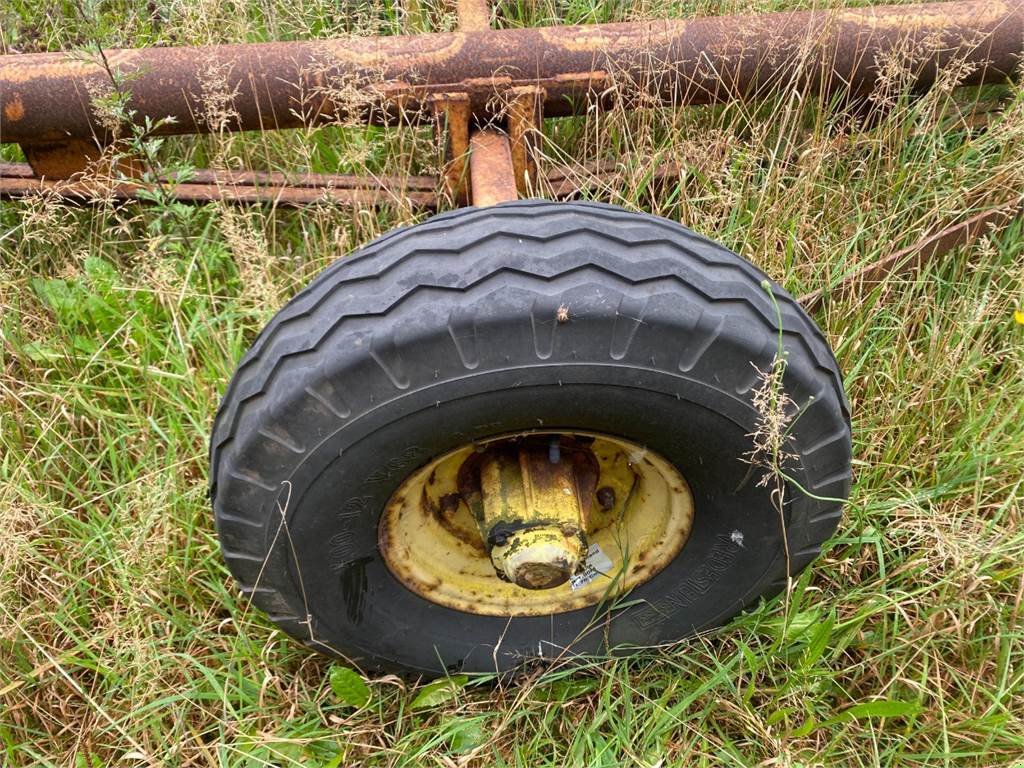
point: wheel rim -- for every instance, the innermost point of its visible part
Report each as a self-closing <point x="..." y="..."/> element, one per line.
<point x="431" y="542"/>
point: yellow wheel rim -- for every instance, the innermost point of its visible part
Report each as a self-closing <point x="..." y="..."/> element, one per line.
<point x="430" y="540"/>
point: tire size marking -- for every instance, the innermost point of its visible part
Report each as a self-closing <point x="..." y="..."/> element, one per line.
<point x="391" y="466"/>
<point x="342" y="545"/>
<point x="719" y="560"/>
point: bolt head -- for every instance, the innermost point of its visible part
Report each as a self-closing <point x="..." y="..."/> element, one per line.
<point x="606" y="497"/>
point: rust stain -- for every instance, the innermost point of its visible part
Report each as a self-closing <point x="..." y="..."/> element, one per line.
<point x="394" y="53"/>
<point x="43" y="66"/>
<point x="14" y="109"/>
<point x="606" y="37"/>
<point x="982" y="14"/>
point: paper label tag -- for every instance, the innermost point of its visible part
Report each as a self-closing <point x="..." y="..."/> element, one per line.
<point x="596" y="564"/>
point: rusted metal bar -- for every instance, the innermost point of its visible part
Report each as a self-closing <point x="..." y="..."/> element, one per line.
<point x="86" y="192"/>
<point x="474" y="15"/>
<point x="271" y="179"/>
<point x="45" y="97"/>
<point x="524" y="117"/>
<point x="490" y="168"/>
<point x="454" y="111"/>
<point x="452" y="125"/>
<point x="915" y="257"/>
<point x="18" y="180"/>
<point x="59" y="160"/>
<point x="63" y="159"/>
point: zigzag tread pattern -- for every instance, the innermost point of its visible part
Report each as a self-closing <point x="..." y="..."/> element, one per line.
<point x="301" y="306"/>
<point x="792" y="336"/>
<point x="279" y="363"/>
<point x="267" y="355"/>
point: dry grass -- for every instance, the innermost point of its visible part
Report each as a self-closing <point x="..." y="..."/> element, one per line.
<point x="122" y="640"/>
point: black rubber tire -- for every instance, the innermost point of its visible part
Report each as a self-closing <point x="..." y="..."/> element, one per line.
<point x="445" y="332"/>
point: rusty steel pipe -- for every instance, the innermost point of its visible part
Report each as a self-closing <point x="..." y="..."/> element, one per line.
<point x="47" y="97"/>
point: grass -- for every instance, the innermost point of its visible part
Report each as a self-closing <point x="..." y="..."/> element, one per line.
<point x="122" y="639"/>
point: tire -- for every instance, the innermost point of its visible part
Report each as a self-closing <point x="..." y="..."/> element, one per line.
<point x="445" y="332"/>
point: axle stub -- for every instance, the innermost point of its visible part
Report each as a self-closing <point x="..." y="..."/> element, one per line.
<point x="532" y="499"/>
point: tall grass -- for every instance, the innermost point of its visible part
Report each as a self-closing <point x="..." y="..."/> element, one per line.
<point x="122" y="639"/>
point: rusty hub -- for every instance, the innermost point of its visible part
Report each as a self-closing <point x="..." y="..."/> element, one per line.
<point x="532" y="501"/>
<point x="528" y="525"/>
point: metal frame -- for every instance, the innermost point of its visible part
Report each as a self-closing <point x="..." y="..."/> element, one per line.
<point x="486" y="90"/>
